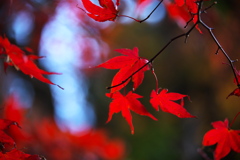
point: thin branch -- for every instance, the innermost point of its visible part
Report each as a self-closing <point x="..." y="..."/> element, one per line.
<point x="234" y="119"/>
<point x="140" y="21"/>
<point x="188" y="22"/>
<point x="151" y="12"/>
<point x="217" y="51"/>
<point x="214" y="3"/>
<point x="216" y="41"/>
<point x="221" y="48"/>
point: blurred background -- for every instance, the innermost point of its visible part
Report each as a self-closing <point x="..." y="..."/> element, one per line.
<point x="70" y="124"/>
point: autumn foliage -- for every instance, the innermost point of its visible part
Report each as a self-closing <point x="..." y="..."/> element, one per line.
<point x="107" y="11"/>
<point x="8" y="145"/>
<point x="21" y="61"/>
<point x="21" y="136"/>
<point x="225" y="138"/>
<point x="51" y="140"/>
<point x="126" y="103"/>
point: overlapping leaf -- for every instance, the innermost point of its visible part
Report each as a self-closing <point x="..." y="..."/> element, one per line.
<point x="225" y="138"/>
<point x="178" y="13"/>
<point x="107" y="12"/>
<point x="6" y="141"/>
<point x="191" y="5"/>
<point x="166" y="102"/>
<point x="184" y="7"/>
<point x="51" y="140"/>
<point x="128" y="64"/>
<point x="17" y="58"/>
<point x="126" y="103"/>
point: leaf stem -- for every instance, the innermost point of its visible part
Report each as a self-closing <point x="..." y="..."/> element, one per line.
<point x="234" y="119"/>
<point x="155" y="76"/>
<point x="129" y="17"/>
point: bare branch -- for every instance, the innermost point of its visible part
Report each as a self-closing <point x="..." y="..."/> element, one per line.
<point x="221" y="48"/>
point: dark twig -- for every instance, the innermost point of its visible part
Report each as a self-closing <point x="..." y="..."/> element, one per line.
<point x="217" y="51"/>
<point x="188" y="22"/>
<point x="221" y="48"/>
<point x="151" y="12"/>
<point x="215" y="39"/>
<point x="214" y="3"/>
<point x="140" y="21"/>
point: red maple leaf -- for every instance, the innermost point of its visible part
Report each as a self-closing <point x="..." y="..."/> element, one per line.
<point x="191" y="5"/>
<point x="126" y="103"/>
<point x="107" y="12"/>
<point x="128" y="64"/>
<point x="17" y="58"/>
<point x="5" y="140"/>
<point x="225" y="138"/>
<point x="166" y="102"/>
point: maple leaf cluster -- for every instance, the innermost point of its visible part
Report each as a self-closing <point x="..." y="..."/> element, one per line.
<point x="183" y="11"/>
<point x="8" y="145"/>
<point x="47" y="138"/>
<point x="131" y="68"/>
<point x="14" y="56"/>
